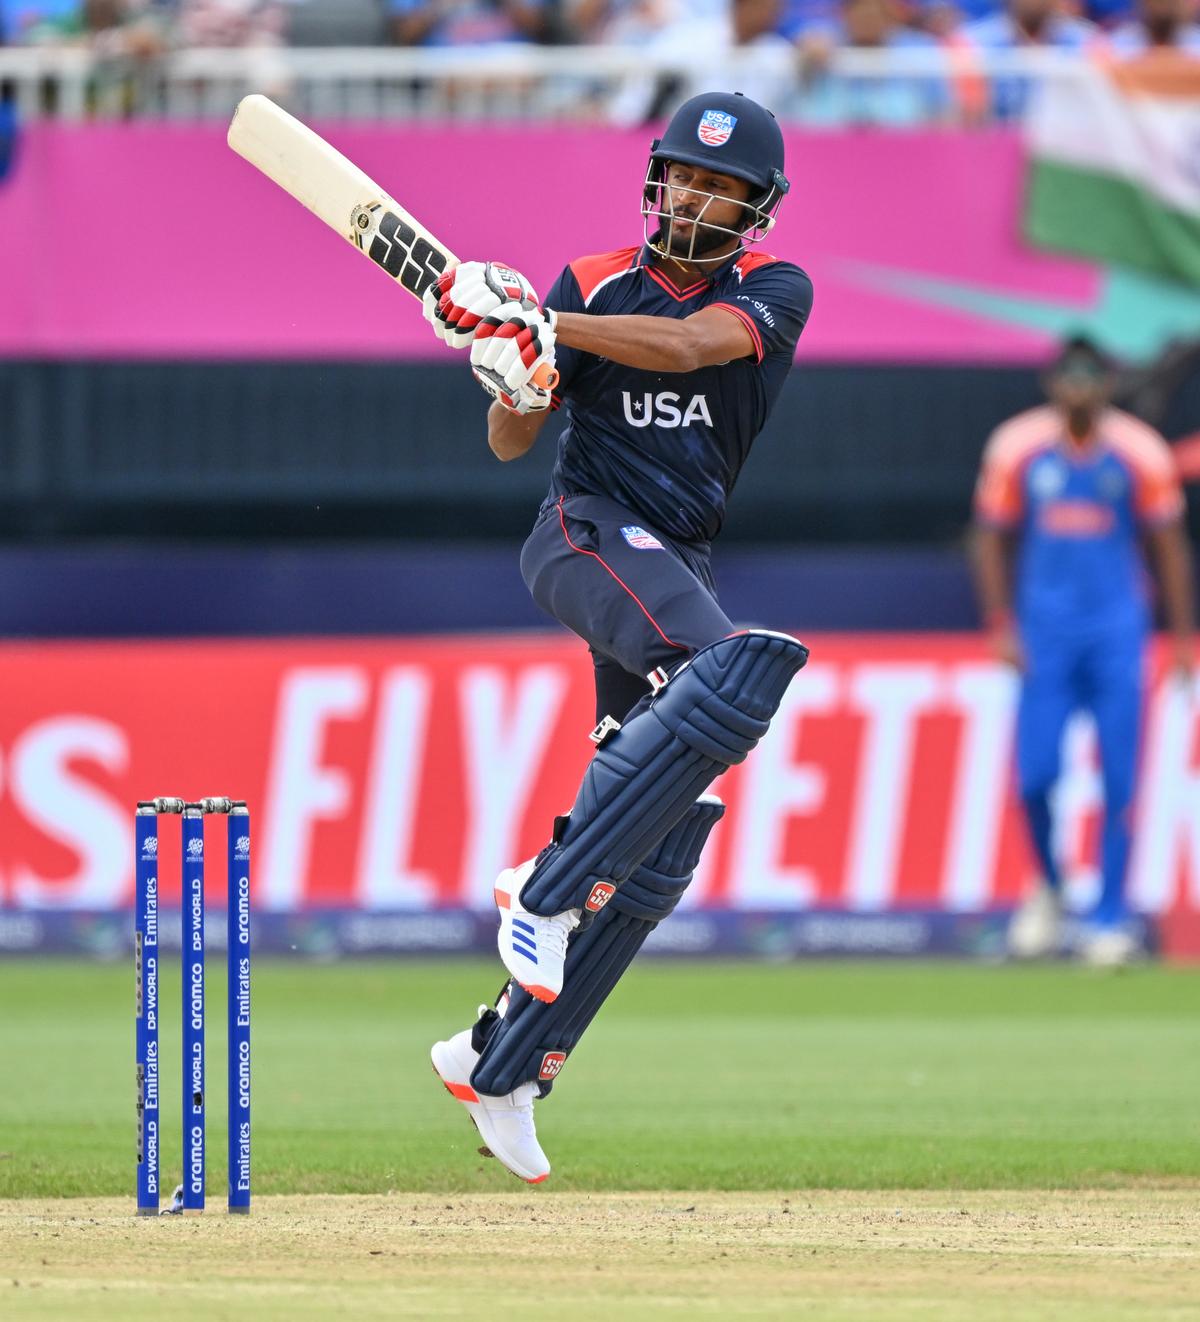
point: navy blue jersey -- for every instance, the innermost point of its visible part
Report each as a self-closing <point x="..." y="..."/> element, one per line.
<point x="669" y="446"/>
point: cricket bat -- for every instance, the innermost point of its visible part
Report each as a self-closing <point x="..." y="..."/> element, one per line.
<point x="303" y="164"/>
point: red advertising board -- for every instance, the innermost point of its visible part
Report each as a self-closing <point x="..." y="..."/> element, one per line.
<point x="404" y="774"/>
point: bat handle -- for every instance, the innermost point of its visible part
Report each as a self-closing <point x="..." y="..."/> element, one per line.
<point x="546" y="377"/>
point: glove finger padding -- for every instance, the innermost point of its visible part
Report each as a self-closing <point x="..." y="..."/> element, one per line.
<point x="511" y="352"/>
<point x="509" y="348"/>
<point x="431" y="301"/>
<point x="459" y="300"/>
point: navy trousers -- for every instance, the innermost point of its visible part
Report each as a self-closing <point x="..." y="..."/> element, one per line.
<point x="639" y="600"/>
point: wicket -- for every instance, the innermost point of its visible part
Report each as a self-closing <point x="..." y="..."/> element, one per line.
<point x="146" y="962"/>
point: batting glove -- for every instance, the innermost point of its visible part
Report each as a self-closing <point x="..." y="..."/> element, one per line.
<point x="509" y="349"/>
<point x="458" y="301"/>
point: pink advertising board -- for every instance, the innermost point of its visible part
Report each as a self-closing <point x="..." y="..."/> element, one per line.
<point x="147" y="240"/>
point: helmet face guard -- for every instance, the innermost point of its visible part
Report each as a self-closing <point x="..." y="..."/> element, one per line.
<point x="759" y="211"/>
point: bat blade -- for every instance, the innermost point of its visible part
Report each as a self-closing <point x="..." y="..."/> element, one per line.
<point x="334" y="189"/>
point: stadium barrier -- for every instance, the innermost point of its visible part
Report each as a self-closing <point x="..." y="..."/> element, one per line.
<point x="392" y="779"/>
<point x="617" y="84"/>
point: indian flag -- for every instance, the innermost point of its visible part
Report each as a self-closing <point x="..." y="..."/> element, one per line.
<point x="1115" y="164"/>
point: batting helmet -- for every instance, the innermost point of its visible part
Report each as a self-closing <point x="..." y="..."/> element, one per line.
<point x="730" y="134"/>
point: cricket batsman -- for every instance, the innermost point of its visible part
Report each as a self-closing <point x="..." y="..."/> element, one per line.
<point x="1074" y="488"/>
<point x="669" y="357"/>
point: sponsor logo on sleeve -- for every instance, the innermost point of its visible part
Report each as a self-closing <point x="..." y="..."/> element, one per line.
<point x="761" y="308"/>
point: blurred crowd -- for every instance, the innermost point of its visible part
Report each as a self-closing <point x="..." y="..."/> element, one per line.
<point x="800" y="36"/>
<point x="151" y="26"/>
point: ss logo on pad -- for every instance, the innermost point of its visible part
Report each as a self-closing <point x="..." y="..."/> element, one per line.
<point x="552" y="1062"/>
<point x="602" y="892"/>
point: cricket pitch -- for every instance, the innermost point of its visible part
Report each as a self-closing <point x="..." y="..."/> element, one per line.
<point x="1004" y="1255"/>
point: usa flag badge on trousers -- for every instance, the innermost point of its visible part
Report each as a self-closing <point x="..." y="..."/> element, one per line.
<point x="715" y="128"/>
<point x="640" y="539"/>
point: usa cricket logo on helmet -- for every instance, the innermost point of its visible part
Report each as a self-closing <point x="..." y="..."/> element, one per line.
<point x="729" y="134"/>
<point x="716" y="128"/>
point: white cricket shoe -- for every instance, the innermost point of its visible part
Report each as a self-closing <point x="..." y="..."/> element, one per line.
<point x="505" y="1123"/>
<point x="532" y="948"/>
<point x="1035" y="929"/>
<point x="1109" y="948"/>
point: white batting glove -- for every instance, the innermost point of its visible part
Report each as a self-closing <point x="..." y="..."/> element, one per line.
<point x="458" y="301"/>
<point x="510" y="348"/>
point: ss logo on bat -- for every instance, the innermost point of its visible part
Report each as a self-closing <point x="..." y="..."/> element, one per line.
<point x="395" y="247"/>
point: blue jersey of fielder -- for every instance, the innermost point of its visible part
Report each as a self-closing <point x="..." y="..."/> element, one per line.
<point x="1078" y="511"/>
<point x="669" y="446"/>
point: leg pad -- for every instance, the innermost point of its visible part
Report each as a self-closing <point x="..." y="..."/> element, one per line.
<point x="707" y="718"/>
<point x="532" y="1040"/>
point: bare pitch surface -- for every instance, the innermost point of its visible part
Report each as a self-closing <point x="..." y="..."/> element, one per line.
<point x="1104" y="1257"/>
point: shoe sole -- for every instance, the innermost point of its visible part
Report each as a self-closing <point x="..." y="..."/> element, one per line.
<point x="463" y="1092"/>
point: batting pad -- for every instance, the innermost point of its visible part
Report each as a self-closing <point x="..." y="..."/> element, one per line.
<point x="705" y="719"/>
<point x="531" y="1040"/>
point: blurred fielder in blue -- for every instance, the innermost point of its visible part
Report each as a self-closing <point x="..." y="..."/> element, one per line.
<point x="1067" y="496"/>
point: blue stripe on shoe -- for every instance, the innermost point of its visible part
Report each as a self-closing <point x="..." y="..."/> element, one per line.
<point x="523" y="925"/>
<point x="525" y="954"/>
<point x="521" y="942"/>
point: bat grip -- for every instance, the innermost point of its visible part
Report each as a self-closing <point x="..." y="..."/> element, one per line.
<point x="546" y="377"/>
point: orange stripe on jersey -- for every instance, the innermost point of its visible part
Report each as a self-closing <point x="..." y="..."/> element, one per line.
<point x="590" y="272"/>
<point x="751" y="261"/>
<point x="998" y="494"/>
<point x="1158" y="496"/>
<point x="1034" y="426"/>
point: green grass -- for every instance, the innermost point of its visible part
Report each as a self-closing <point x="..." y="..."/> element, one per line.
<point x="722" y="1076"/>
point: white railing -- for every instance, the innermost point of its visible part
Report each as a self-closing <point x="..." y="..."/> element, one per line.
<point x="507" y="82"/>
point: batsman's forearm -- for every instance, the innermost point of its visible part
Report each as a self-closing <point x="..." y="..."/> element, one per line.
<point x="653" y="344"/>
<point x="510" y="435"/>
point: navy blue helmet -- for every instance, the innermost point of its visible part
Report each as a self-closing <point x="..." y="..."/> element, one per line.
<point x="727" y="133"/>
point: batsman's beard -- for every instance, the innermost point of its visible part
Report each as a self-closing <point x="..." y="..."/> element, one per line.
<point x="700" y="239"/>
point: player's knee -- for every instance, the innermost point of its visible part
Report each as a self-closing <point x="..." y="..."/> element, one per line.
<point x="722" y="701"/>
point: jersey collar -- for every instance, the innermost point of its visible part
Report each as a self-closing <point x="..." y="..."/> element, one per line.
<point x="647" y="260"/>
